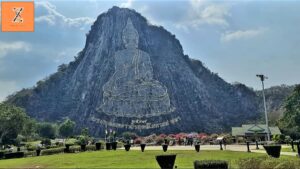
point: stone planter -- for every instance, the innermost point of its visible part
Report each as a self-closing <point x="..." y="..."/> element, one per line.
<point x="83" y="147"/>
<point x="143" y="147"/>
<point x="98" y="146"/>
<point x="273" y="150"/>
<point x="197" y="147"/>
<point x="1" y="154"/>
<point x="114" y="145"/>
<point x="127" y="147"/>
<point x="165" y="147"/>
<point x="38" y="152"/>
<point x="166" y="161"/>
<point x="67" y="149"/>
<point x="108" y="146"/>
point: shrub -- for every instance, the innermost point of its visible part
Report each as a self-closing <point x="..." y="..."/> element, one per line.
<point x="138" y="141"/>
<point x="269" y="164"/>
<point x="285" y="165"/>
<point x="29" y="153"/>
<point x="159" y="140"/>
<point x="171" y="135"/>
<point x="74" y="149"/>
<point x="211" y="164"/>
<point x="278" y="138"/>
<point x="265" y="163"/>
<point x="249" y="163"/>
<point x="30" y="147"/>
<point x="90" y="148"/>
<point x="82" y="140"/>
<point x="150" y="139"/>
<point x="46" y="142"/>
<point x="163" y="135"/>
<point x="129" y="135"/>
<point x="59" y="144"/>
<point x="52" y="151"/>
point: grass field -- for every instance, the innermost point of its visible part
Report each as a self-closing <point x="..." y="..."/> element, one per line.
<point x="123" y="159"/>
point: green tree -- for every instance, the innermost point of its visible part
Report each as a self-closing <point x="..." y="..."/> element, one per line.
<point x="46" y="130"/>
<point x="66" y="129"/>
<point x="85" y="132"/>
<point x="29" y="129"/>
<point x="12" y="120"/>
<point x="290" y="122"/>
<point x="129" y="135"/>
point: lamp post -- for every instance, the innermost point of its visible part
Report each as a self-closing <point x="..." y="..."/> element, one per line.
<point x="262" y="78"/>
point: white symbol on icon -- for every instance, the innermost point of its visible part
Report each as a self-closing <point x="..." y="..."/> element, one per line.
<point x="18" y="18"/>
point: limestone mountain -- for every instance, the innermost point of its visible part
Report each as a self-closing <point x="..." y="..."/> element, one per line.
<point x="275" y="98"/>
<point x="132" y="75"/>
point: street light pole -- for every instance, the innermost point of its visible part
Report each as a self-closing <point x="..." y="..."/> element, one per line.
<point x="262" y="78"/>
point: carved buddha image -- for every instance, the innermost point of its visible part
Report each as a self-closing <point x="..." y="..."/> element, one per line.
<point x="132" y="91"/>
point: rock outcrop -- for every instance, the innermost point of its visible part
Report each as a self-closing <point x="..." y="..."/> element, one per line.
<point x="132" y="75"/>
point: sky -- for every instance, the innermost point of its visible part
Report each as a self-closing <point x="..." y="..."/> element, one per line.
<point x="235" y="39"/>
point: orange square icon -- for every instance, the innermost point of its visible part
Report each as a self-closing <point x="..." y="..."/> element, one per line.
<point x="17" y="16"/>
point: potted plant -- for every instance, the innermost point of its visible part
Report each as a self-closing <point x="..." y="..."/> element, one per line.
<point x="273" y="150"/>
<point x="68" y="145"/>
<point x="127" y="147"/>
<point x="98" y="146"/>
<point x="82" y="140"/>
<point x="166" y="161"/>
<point x="143" y="147"/>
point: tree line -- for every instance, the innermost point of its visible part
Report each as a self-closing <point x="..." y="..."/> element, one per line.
<point x="16" y="126"/>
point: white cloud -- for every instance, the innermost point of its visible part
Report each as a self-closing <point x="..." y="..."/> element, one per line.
<point x="7" y="88"/>
<point x="6" y="47"/>
<point x="127" y="4"/>
<point x="242" y="34"/>
<point x="204" y="12"/>
<point x="53" y="17"/>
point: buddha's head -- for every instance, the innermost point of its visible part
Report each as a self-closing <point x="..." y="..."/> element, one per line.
<point x="130" y="35"/>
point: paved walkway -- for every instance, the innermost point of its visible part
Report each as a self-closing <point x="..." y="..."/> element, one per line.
<point x="242" y="148"/>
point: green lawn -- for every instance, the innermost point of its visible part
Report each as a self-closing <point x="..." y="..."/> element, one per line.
<point x="122" y="159"/>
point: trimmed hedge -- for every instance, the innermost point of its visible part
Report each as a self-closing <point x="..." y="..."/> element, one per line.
<point x="52" y="151"/>
<point x="210" y="164"/>
<point x="266" y="163"/>
<point x="1" y="154"/>
<point x="14" y="155"/>
<point x="90" y="148"/>
<point x="29" y="153"/>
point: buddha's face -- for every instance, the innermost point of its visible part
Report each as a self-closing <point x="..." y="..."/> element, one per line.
<point x="130" y="42"/>
<point x="130" y="36"/>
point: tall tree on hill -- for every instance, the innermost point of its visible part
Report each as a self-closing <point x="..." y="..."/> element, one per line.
<point x="290" y="122"/>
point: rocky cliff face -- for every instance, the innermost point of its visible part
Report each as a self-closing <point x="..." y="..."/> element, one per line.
<point x="134" y="76"/>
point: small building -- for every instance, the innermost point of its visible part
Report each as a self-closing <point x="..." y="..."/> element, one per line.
<point x="252" y="132"/>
